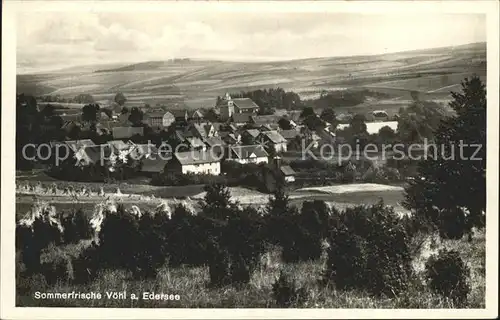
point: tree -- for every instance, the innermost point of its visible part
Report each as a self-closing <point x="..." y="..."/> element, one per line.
<point x="358" y="125"/>
<point x="313" y="122"/>
<point x="328" y="115"/>
<point x="120" y="98"/>
<point x="419" y="121"/>
<point x="284" y="124"/>
<point x="84" y="98"/>
<point x="460" y="182"/>
<point x="89" y="112"/>
<point x="136" y="116"/>
<point x="386" y="135"/>
<point x="306" y="112"/>
<point x="217" y="201"/>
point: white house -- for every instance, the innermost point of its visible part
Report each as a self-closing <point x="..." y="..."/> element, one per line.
<point x="197" y="162"/>
<point x="248" y="154"/>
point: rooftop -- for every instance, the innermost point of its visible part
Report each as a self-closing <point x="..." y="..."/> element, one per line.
<point x="196" y="157"/>
<point x="245" y="152"/>
<point x="245" y="103"/>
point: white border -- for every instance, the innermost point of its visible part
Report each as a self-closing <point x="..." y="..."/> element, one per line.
<point x="7" y="293"/>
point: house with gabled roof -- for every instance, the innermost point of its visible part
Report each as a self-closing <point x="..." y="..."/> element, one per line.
<point x="248" y="154"/>
<point x="119" y="148"/>
<point x="195" y="143"/>
<point x="159" y="119"/>
<point x="180" y="115"/>
<point x="245" y="105"/>
<point x="274" y="139"/>
<point x="250" y="136"/>
<point x="195" y="162"/>
<point x="197" y="115"/>
<point x="216" y="144"/>
<point x="228" y="107"/>
<point x="92" y="154"/>
<point x="142" y="151"/>
<point x="203" y="130"/>
<point x="230" y="138"/>
<point x="153" y="165"/>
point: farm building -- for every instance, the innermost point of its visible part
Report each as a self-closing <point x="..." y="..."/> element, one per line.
<point x="159" y="119"/>
<point x="248" y="154"/>
<point x="288" y="173"/>
<point x="197" y="162"/>
<point x="127" y="132"/>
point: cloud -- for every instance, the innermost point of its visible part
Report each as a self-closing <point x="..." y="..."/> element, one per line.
<point x="54" y="38"/>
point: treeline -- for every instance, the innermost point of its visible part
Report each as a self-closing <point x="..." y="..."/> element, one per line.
<point x="368" y="248"/>
<point x="81" y="98"/>
<point x="345" y="98"/>
<point x="277" y="98"/>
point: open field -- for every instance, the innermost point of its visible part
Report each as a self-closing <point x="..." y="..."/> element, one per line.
<point x="149" y="197"/>
<point x="193" y="83"/>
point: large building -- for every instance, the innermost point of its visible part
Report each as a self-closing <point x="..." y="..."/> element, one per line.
<point x="229" y="106"/>
<point x="197" y="162"/>
<point x="159" y="119"/>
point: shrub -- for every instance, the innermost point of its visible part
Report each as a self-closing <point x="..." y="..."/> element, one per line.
<point x="369" y="249"/>
<point x="37" y="231"/>
<point x="285" y="292"/>
<point x="76" y="226"/>
<point x="447" y="275"/>
<point x="56" y="265"/>
<point x="132" y="242"/>
<point x="86" y="265"/>
<point x="187" y="240"/>
<point x="452" y="223"/>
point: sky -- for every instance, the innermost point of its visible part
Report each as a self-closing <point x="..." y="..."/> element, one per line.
<point x="54" y="40"/>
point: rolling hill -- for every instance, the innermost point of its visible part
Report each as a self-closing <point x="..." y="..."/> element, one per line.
<point x="196" y="83"/>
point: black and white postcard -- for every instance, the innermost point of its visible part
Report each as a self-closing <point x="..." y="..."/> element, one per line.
<point x="234" y="159"/>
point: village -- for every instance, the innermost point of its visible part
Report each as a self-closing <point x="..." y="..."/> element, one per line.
<point x="191" y="142"/>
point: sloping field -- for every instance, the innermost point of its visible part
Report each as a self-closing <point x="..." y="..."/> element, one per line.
<point x="192" y="83"/>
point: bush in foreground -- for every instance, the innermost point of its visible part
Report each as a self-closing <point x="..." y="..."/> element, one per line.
<point x="369" y="250"/>
<point x="286" y="293"/>
<point x="447" y="275"/>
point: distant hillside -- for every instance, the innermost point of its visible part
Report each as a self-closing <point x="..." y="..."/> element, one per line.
<point x="196" y="83"/>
